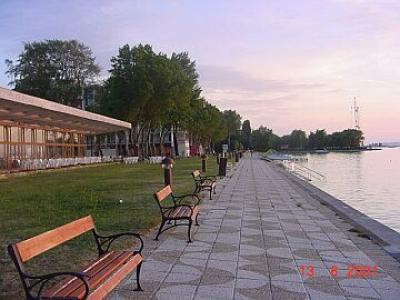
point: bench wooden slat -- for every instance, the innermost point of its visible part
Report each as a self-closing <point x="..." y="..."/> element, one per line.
<point x="181" y="211"/>
<point x="98" y="273"/>
<point x="41" y="243"/>
<point x="116" y="278"/>
<point x="164" y="193"/>
<point x="184" y="211"/>
<point x="67" y="287"/>
<point x="104" y="273"/>
<point x="67" y="284"/>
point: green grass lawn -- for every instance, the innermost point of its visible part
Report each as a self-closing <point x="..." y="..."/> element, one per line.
<point x="38" y="202"/>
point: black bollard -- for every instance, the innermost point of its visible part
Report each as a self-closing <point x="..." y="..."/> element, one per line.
<point x="236" y="156"/>
<point x="167" y="164"/>
<point x="204" y="163"/>
<point x="167" y="177"/>
<point x="222" y="166"/>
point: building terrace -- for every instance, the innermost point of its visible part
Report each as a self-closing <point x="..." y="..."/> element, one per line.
<point x="35" y="128"/>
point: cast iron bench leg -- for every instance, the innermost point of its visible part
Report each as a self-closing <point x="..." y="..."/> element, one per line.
<point x="190" y="227"/>
<point x="159" y="230"/>
<point x="139" y="288"/>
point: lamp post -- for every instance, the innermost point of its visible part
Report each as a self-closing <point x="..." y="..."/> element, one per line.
<point x="167" y="164"/>
<point x="204" y="158"/>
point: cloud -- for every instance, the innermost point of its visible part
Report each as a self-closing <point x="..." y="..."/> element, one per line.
<point x="227" y="79"/>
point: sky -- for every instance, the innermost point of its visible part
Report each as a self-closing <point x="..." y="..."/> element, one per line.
<point x="287" y="64"/>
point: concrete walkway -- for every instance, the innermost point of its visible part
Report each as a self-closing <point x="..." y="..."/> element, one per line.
<point x="255" y="238"/>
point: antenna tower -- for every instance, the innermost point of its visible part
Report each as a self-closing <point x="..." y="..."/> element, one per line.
<point x="355" y="109"/>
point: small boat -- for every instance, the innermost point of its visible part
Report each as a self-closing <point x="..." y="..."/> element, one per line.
<point x="321" y="151"/>
<point x="279" y="156"/>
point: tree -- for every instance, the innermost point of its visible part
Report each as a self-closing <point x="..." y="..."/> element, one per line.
<point x="346" y="139"/>
<point x="157" y="92"/>
<point x="298" y="139"/>
<point x="232" y="123"/>
<point x="262" y="139"/>
<point x="246" y="134"/>
<point x="353" y="137"/>
<point x="179" y="115"/>
<point x="318" y="139"/>
<point x="54" y="69"/>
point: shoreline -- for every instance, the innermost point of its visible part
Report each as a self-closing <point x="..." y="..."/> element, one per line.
<point x="331" y="150"/>
<point x="385" y="236"/>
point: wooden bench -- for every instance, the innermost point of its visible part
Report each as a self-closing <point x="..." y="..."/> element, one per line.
<point x="96" y="281"/>
<point x="204" y="183"/>
<point x="178" y="211"/>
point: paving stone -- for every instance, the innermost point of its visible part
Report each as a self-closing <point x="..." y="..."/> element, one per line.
<point x="282" y="290"/>
<point x="216" y="291"/>
<point x="253" y="289"/>
<point x="354" y="282"/>
<point x="388" y="294"/>
<point x="365" y="292"/>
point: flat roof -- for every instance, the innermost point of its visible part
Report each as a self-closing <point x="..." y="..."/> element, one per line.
<point x="18" y="108"/>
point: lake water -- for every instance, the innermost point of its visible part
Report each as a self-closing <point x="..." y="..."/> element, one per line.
<point x="368" y="181"/>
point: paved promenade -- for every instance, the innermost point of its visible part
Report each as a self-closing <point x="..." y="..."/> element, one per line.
<point x="254" y="241"/>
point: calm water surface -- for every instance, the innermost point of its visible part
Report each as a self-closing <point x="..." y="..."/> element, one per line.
<point x="368" y="181"/>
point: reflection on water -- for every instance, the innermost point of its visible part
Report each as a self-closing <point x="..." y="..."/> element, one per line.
<point x="368" y="181"/>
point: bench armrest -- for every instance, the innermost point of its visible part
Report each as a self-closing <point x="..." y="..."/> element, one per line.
<point x="214" y="178"/>
<point x="178" y="199"/>
<point x="42" y="280"/>
<point x="202" y="180"/>
<point x="104" y="241"/>
<point x="186" y="205"/>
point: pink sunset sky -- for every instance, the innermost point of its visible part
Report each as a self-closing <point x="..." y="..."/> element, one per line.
<point x="283" y="64"/>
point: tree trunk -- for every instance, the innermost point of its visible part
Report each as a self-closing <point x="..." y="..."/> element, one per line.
<point x="139" y="142"/>
<point x="148" y="140"/>
<point x="162" y="150"/>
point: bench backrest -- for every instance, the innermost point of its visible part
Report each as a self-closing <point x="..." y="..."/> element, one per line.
<point x="196" y="174"/>
<point x="163" y="194"/>
<point x="48" y="240"/>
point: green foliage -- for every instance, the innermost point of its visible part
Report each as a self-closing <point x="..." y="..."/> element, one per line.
<point x="155" y="91"/>
<point x="232" y="123"/>
<point x="246" y="134"/>
<point x="54" y="69"/>
<point x="298" y="139"/>
<point x="346" y="139"/>
<point x="262" y="139"/>
<point x="138" y="79"/>
<point x="317" y="139"/>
